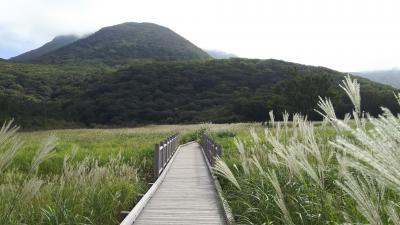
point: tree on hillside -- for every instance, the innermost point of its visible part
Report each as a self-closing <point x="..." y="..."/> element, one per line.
<point x="300" y="94"/>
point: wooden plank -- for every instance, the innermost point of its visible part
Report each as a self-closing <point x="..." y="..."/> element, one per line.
<point x="187" y="194"/>
<point x="133" y="214"/>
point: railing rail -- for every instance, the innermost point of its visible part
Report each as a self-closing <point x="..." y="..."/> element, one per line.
<point x="211" y="149"/>
<point x="163" y="152"/>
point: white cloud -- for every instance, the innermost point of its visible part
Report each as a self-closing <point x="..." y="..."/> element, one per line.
<point x="340" y="34"/>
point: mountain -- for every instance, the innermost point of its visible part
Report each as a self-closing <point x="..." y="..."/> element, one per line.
<point x="389" y="77"/>
<point x="56" y="43"/>
<point x="220" y="54"/>
<point x="126" y="42"/>
<point x="143" y="92"/>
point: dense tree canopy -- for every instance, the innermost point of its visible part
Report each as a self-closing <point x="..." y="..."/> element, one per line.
<point x="172" y="92"/>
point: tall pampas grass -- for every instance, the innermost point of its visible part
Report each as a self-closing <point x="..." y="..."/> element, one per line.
<point x="339" y="173"/>
<point x="84" y="191"/>
<point x="44" y="152"/>
<point x="223" y="170"/>
<point x="352" y="89"/>
<point x="9" y="144"/>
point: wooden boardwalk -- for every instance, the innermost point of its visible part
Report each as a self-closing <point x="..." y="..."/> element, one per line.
<point x="187" y="194"/>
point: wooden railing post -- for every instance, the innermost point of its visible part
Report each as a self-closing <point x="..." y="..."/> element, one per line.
<point x="169" y="148"/>
<point x="166" y="150"/>
<point x="156" y="160"/>
<point x="211" y="149"/>
<point x="163" y="152"/>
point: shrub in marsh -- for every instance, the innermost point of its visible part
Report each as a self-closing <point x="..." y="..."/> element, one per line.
<point x="196" y="134"/>
<point x="341" y="172"/>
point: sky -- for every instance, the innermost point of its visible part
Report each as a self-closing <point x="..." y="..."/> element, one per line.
<point x="346" y="35"/>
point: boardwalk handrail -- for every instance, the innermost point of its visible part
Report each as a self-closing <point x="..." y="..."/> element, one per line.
<point x="211" y="149"/>
<point x="163" y="152"/>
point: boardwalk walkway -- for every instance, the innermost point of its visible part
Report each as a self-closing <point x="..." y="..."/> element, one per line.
<point x="187" y="194"/>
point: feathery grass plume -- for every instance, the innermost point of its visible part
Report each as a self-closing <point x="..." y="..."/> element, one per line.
<point x="296" y="118"/>
<point x="223" y="170"/>
<point x="9" y="144"/>
<point x="255" y="137"/>
<point x="257" y="164"/>
<point x="357" y="119"/>
<point x="376" y="150"/>
<point x="352" y="89"/>
<point x="242" y="153"/>
<point x="283" y="155"/>
<point x="295" y="124"/>
<point x="304" y="163"/>
<point x="285" y="116"/>
<point x="393" y="213"/>
<point x="363" y="120"/>
<point x="324" y="123"/>
<point x="7" y="131"/>
<point x="278" y="129"/>
<point x="279" y="199"/>
<point x="364" y="191"/>
<point x="313" y="149"/>
<point x="70" y="156"/>
<point x="328" y="112"/>
<point x="30" y="189"/>
<point x="7" y="157"/>
<point x="272" y="118"/>
<point x="43" y="152"/>
<point x="347" y="118"/>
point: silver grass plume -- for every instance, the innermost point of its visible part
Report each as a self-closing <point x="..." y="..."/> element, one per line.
<point x="272" y="118"/>
<point x="352" y="89"/>
<point x="9" y="144"/>
<point x="43" y="153"/>
<point x="363" y="190"/>
<point x="279" y="199"/>
<point x="223" y="170"/>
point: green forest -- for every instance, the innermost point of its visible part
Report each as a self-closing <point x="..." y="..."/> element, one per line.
<point x="167" y="92"/>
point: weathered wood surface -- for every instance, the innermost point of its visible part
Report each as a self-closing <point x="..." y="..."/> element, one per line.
<point x="187" y="195"/>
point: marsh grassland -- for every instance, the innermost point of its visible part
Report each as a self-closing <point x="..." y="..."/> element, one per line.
<point x="79" y="176"/>
<point x="299" y="172"/>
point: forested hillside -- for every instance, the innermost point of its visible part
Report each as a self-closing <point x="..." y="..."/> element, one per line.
<point x="123" y="43"/>
<point x="56" y="43"/>
<point x="171" y="92"/>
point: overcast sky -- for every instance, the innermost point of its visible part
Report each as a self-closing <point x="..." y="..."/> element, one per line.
<point x="347" y="35"/>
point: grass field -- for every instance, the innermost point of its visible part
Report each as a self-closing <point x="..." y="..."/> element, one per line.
<point x="307" y="174"/>
<point x="81" y="176"/>
<point x="88" y="178"/>
<point x="299" y="172"/>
